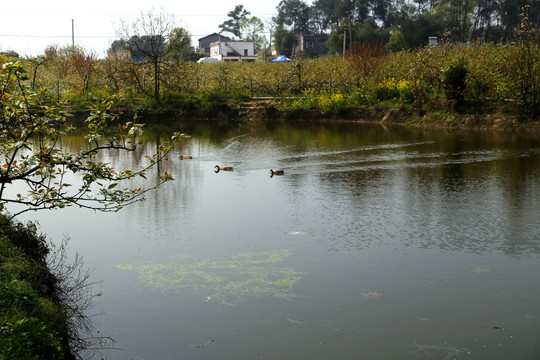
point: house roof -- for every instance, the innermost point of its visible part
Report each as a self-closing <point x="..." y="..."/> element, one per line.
<point x="231" y="50"/>
<point x="214" y="35"/>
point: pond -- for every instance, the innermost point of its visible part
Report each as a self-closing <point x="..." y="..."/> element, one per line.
<point x="378" y="242"/>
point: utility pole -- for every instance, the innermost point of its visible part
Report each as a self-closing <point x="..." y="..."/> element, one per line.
<point x="344" y="39"/>
<point x="72" y="32"/>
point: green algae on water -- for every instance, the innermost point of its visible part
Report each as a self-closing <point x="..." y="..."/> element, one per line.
<point x="249" y="274"/>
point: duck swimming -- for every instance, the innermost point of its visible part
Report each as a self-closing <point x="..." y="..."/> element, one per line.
<point x="218" y="168"/>
<point x="185" y="157"/>
<point x="276" y="172"/>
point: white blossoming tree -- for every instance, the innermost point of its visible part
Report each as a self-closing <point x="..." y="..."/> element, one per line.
<point x="31" y="125"/>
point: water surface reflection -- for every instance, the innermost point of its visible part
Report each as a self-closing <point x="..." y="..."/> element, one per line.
<point x="378" y="242"/>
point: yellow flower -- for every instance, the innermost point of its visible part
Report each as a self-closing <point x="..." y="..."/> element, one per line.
<point x="403" y="85"/>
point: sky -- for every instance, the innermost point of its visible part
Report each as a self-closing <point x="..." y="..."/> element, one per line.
<point x="28" y="27"/>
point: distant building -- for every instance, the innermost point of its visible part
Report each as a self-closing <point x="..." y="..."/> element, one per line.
<point x="233" y="50"/>
<point x="315" y="43"/>
<point x="432" y="41"/>
<point x="11" y="54"/>
<point x="204" y="42"/>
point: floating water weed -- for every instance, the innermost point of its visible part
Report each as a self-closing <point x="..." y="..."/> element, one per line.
<point x="432" y="350"/>
<point x="250" y="274"/>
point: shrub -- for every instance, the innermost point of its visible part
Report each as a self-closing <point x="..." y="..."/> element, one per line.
<point x="32" y="326"/>
<point x="523" y="67"/>
<point x="26" y="238"/>
<point x="455" y="81"/>
<point x="331" y="103"/>
<point x="392" y="89"/>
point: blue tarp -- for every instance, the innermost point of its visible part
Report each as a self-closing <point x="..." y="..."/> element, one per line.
<point x="281" y="58"/>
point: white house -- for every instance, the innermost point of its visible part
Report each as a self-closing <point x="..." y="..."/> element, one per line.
<point x="204" y="42"/>
<point x="233" y="50"/>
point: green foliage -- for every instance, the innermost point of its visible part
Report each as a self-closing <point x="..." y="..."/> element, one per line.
<point x="497" y="74"/>
<point x="32" y="324"/>
<point x="326" y="102"/>
<point x="26" y="238"/>
<point x="225" y="280"/>
<point x="234" y="23"/>
<point x="31" y="124"/>
<point x="391" y="89"/>
<point x="455" y="80"/>
<point x="369" y="32"/>
<point x="251" y="29"/>
<point x="295" y="14"/>
<point x="522" y="62"/>
<point x="284" y="41"/>
<point x="179" y="45"/>
<point x="396" y="42"/>
<point x="419" y="28"/>
<point x="306" y="54"/>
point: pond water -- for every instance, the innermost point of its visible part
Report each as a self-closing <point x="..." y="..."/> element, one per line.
<point x="377" y="243"/>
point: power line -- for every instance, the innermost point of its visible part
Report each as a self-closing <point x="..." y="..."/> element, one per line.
<point x="57" y="36"/>
<point x="86" y="36"/>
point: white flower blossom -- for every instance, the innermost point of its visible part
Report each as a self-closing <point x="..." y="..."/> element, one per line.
<point x="135" y="130"/>
<point x="94" y="137"/>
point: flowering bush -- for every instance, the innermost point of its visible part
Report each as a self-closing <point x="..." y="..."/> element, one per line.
<point x="326" y="102"/>
<point x="392" y="89"/>
<point x="331" y="102"/>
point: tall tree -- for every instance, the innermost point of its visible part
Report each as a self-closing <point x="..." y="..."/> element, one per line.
<point x="418" y="29"/>
<point x="328" y="8"/>
<point x="236" y="16"/>
<point x="179" y="44"/>
<point x="251" y="29"/>
<point x="483" y="18"/>
<point x="147" y="37"/>
<point x="317" y="23"/>
<point x="509" y="11"/>
<point x="294" y="14"/>
<point x="284" y="41"/>
<point x="458" y="19"/>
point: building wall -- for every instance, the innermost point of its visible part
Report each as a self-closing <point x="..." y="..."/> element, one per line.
<point x="204" y="43"/>
<point x="233" y="50"/>
<point x="314" y="43"/>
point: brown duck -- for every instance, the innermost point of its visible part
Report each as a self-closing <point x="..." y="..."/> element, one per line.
<point x="218" y="168"/>
<point x="276" y="172"/>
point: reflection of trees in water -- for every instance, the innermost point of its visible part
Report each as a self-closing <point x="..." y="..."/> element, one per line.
<point x="358" y="186"/>
<point x="469" y="191"/>
<point x="463" y="197"/>
<point x="172" y="203"/>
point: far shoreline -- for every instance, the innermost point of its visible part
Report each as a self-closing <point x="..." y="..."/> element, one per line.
<point x="268" y="109"/>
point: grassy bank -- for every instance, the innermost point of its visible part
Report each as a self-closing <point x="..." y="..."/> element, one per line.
<point x="279" y="109"/>
<point x="472" y="79"/>
<point x="33" y="323"/>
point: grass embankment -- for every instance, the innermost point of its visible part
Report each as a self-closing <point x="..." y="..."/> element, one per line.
<point x="440" y="115"/>
<point x="33" y="325"/>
